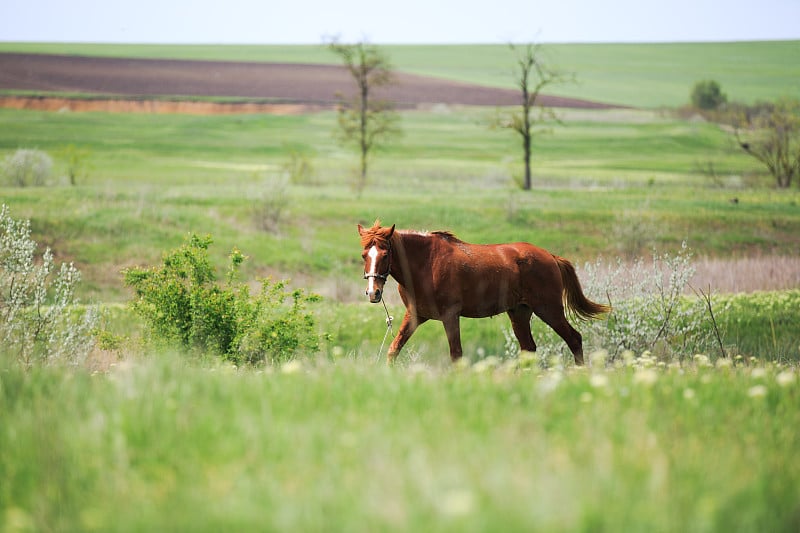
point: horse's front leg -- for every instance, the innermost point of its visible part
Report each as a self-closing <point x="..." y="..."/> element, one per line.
<point x="452" y="327"/>
<point x="407" y="328"/>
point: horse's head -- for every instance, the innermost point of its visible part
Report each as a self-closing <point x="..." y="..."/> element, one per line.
<point x="377" y="255"/>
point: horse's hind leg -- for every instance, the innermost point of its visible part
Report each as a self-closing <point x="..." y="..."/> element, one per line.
<point x="452" y="327"/>
<point x="521" y="323"/>
<point x="553" y="316"/>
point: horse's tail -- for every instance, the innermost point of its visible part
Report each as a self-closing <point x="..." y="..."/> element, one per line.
<point x="574" y="299"/>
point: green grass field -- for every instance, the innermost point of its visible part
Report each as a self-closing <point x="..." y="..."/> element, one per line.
<point x="141" y="438"/>
<point x="154" y="178"/>
<point x="159" y="444"/>
<point x="639" y="75"/>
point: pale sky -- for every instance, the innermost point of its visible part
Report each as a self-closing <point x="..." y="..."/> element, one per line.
<point x="397" y="22"/>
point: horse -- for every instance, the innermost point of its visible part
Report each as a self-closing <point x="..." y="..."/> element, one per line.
<point x="440" y="277"/>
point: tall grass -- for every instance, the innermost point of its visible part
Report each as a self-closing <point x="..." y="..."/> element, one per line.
<point x="156" y="444"/>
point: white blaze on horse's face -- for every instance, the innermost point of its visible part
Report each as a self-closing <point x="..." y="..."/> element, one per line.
<point x="372" y="260"/>
<point x="373" y="273"/>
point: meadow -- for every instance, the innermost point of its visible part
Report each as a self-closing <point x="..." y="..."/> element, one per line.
<point x="170" y="445"/>
<point x="140" y="438"/>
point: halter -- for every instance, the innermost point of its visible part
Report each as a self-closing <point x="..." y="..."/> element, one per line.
<point x="385" y="275"/>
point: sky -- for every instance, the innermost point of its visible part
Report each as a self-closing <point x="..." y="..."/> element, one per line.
<point x="398" y="21"/>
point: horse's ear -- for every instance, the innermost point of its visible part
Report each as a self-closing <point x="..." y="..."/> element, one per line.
<point x="360" y="229"/>
<point x="391" y="232"/>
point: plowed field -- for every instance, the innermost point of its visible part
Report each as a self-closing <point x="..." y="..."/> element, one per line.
<point x="129" y="85"/>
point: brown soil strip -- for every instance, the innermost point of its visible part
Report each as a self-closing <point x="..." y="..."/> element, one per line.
<point x="141" y="84"/>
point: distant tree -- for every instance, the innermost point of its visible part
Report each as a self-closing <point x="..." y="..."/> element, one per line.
<point x="76" y="161"/>
<point x="364" y="120"/>
<point x="707" y="95"/>
<point x="771" y="134"/>
<point x="532" y="75"/>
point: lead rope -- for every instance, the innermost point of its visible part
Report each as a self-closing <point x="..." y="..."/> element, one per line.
<point x="389" y="319"/>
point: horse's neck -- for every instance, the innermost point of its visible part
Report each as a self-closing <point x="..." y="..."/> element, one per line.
<point x="413" y="251"/>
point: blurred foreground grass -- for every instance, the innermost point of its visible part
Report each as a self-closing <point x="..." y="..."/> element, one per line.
<point x="158" y="443"/>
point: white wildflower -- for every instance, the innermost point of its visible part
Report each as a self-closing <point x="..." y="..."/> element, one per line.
<point x="724" y="362"/>
<point x="702" y="360"/>
<point x="786" y="378"/>
<point x="485" y="365"/>
<point x="758" y="391"/>
<point x="645" y="376"/>
<point x="598" y="381"/>
<point x="292" y="367"/>
<point x="457" y="502"/>
<point x="598" y="358"/>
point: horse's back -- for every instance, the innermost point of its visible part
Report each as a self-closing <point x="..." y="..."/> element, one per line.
<point x="493" y="278"/>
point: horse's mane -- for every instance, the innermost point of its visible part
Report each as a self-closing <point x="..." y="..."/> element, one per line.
<point x="378" y="236"/>
<point x="375" y="236"/>
<point x="447" y="235"/>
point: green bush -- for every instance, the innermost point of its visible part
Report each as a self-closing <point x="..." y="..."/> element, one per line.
<point x="39" y="321"/>
<point x="707" y="95"/>
<point x="27" y="168"/>
<point x="182" y="303"/>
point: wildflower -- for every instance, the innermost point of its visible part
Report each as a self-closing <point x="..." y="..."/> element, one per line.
<point x="645" y="376"/>
<point x="702" y="360"/>
<point x="758" y="391"/>
<point x="598" y="381"/>
<point x="724" y="362"/>
<point x="486" y="364"/>
<point x="598" y="358"/>
<point x="462" y="364"/>
<point x="458" y="502"/>
<point x="688" y="394"/>
<point x="786" y="378"/>
<point x="647" y="360"/>
<point x="337" y="352"/>
<point x="555" y="361"/>
<point x="629" y="357"/>
<point x="758" y="373"/>
<point x="292" y="367"/>
<point x="418" y="368"/>
<point x="551" y="380"/>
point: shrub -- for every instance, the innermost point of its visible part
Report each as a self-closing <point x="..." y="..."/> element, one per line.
<point x="651" y="311"/>
<point x="39" y="321"/>
<point x="707" y="95"/>
<point x="27" y="168"/>
<point x="182" y="302"/>
<point x="270" y="210"/>
<point x="299" y="168"/>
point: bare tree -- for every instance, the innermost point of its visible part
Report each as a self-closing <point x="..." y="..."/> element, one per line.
<point x="532" y="75"/>
<point x="365" y="120"/>
<point x="773" y="137"/>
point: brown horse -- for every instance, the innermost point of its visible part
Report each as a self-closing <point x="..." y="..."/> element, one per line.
<point x="441" y="277"/>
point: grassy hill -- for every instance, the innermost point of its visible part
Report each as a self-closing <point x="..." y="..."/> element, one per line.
<point x="639" y="75"/>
